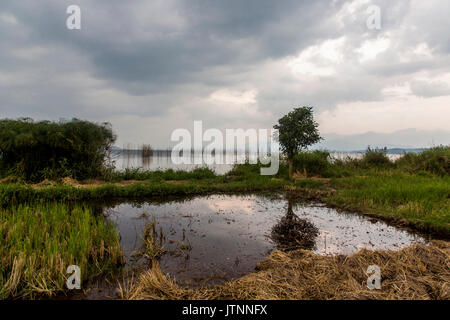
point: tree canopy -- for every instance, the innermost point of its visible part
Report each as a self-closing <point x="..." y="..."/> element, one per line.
<point x="45" y="149"/>
<point x="297" y="131"/>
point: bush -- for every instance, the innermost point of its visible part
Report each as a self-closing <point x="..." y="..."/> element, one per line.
<point x="376" y="158"/>
<point x="48" y="150"/>
<point x="313" y="163"/>
<point x="435" y="160"/>
<point x="243" y="171"/>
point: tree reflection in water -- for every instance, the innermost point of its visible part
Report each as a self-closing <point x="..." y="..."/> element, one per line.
<point x="293" y="233"/>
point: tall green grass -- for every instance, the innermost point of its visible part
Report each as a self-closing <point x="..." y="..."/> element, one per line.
<point x="435" y="160"/>
<point x="38" y="243"/>
<point x="422" y="200"/>
<point x="160" y="175"/>
<point x="19" y="193"/>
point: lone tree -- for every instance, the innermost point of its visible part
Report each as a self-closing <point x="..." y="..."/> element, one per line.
<point x="296" y="131"/>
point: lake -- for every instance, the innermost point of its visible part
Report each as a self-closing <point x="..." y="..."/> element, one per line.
<point x="161" y="160"/>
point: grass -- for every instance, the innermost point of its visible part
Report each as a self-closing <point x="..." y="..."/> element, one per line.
<point x="395" y="192"/>
<point x="160" y="175"/>
<point x="416" y="272"/>
<point x="153" y="247"/>
<point x="414" y="200"/>
<point x="38" y="243"/>
<point x="435" y="160"/>
<point x="18" y="193"/>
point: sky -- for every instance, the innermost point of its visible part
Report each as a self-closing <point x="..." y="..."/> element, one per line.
<point x="149" y="67"/>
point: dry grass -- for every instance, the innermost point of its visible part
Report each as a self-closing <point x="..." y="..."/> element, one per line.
<point x="152" y="248"/>
<point x="416" y="272"/>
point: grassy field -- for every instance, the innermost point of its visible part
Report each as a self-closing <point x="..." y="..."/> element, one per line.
<point x="44" y="229"/>
<point x="420" y="201"/>
<point x="38" y="243"/>
<point x="414" y="191"/>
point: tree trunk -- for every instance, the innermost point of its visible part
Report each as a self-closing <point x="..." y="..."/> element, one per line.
<point x="291" y="170"/>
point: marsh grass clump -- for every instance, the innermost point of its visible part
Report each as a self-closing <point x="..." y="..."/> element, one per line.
<point x="152" y="248"/>
<point x="435" y="161"/>
<point x="376" y="158"/>
<point x="371" y="159"/>
<point x="38" y="243"/>
<point x="313" y="163"/>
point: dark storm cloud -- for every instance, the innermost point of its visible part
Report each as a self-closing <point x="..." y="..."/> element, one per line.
<point x="209" y="36"/>
<point x="145" y="59"/>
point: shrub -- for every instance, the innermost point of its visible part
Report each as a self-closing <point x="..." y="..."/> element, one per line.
<point x="48" y="150"/>
<point x="435" y="160"/>
<point x="376" y="158"/>
<point x="313" y="163"/>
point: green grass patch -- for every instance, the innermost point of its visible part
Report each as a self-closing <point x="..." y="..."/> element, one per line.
<point x="422" y="200"/>
<point x="38" y="243"/>
<point x="160" y="175"/>
<point x="19" y="193"/>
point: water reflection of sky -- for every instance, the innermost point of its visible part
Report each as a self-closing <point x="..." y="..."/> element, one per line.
<point x="229" y="234"/>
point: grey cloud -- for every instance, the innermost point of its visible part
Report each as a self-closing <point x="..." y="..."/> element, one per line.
<point x="146" y="58"/>
<point x="430" y="89"/>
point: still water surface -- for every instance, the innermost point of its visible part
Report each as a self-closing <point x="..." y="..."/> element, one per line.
<point x="226" y="235"/>
<point x="163" y="161"/>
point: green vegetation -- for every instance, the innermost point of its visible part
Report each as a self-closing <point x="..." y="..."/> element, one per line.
<point x="169" y="175"/>
<point x="412" y="191"/>
<point x="40" y="238"/>
<point x="19" y="193"/>
<point x="314" y="163"/>
<point x="38" y="243"/>
<point x="436" y="160"/>
<point x="297" y="131"/>
<point x="152" y="248"/>
<point x="35" y="151"/>
<point x="419" y="201"/>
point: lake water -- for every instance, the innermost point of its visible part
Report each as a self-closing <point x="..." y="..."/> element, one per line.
<point x="226" y="235"/>
<point x="163" y="161"/>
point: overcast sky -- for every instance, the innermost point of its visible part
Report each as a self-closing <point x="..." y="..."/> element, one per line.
<point x="149" y="67"/>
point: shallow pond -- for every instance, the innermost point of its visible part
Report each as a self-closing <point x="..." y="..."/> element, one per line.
<point x="212" y="238"/>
